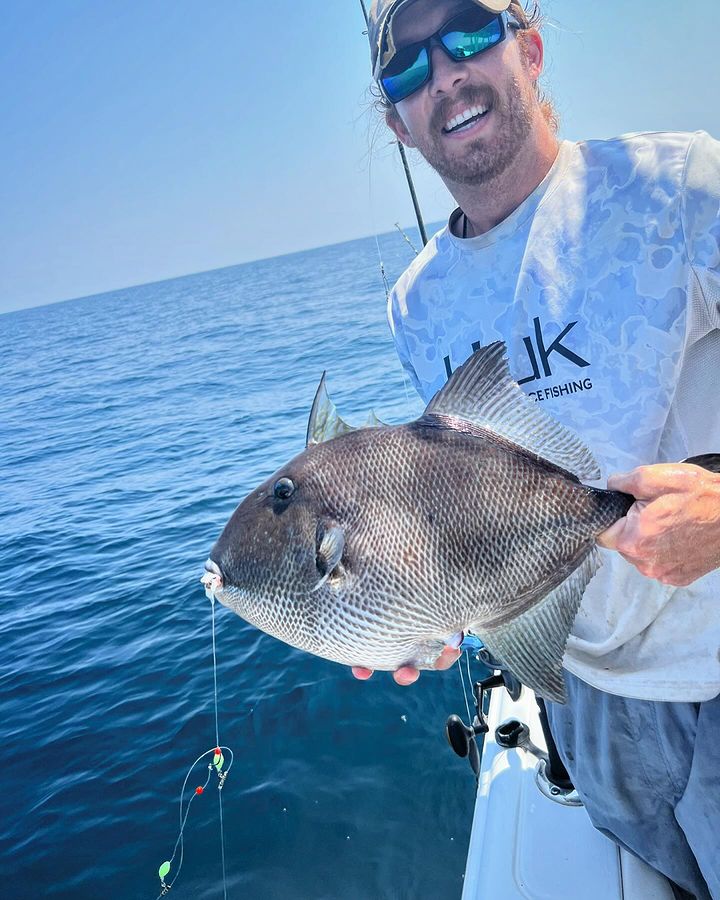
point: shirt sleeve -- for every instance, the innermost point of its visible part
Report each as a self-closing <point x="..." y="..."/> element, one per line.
<point x="398" y="333"/>
<point x="701" y="226"/>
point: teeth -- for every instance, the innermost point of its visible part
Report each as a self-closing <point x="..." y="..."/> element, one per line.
<point x="469" y="113"/>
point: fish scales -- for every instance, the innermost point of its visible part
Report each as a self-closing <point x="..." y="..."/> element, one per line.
<point x="480" y="528"/>
<point x="373" y="546"/>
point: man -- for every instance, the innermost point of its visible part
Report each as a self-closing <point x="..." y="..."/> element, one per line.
<point x="598" y="264"/>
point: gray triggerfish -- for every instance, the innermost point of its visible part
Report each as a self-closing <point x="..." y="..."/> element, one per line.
<point x="375" y="545"/>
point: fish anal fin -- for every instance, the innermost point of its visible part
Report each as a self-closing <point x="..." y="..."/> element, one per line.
<point x="531" y="645"/>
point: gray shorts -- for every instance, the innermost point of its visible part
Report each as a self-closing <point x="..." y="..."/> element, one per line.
<point x="649" y="775"/>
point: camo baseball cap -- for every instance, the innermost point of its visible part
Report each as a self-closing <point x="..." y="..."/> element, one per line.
<point x="380" y="19"/>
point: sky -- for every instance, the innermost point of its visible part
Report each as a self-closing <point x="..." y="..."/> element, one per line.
<point x="146" y="139"/>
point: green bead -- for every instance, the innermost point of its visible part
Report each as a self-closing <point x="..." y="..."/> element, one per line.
<point x="163" y="870"/>
<point x="218" y="761"/>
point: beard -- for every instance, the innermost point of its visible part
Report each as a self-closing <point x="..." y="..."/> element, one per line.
<point x="483" y="159"/>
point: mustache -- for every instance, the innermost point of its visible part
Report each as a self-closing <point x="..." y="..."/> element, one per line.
<point x="469" y="95"/>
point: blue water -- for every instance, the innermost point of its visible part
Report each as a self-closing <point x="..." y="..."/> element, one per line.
<point x="132" y="424"/>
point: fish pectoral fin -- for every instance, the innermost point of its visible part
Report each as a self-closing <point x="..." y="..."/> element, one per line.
<point x="482" y="391"/>
<point x="330" y="547"/>
<point x="324" y="422"/>
<point x="532" y="644"/>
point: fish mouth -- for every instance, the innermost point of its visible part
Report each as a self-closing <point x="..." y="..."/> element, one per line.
<point x="212" y="580"/>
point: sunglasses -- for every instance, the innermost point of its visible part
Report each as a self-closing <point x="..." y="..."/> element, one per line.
<point x="461" y="37"/>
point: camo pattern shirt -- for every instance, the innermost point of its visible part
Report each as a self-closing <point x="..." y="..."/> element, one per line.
<point x="605" y="285"/>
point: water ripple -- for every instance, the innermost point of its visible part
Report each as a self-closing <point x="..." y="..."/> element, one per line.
<point x="133" y="423"/>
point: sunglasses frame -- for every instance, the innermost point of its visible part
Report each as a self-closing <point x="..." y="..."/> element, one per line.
<point x="434" y="39"/>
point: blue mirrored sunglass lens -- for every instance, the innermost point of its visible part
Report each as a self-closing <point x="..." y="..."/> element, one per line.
<point x="405" y="82"/>
<point x="462" y="44"/>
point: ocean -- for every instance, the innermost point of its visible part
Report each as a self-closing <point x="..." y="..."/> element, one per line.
<point x="132" y="424"/>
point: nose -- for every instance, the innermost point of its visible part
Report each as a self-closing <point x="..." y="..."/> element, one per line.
<point x="447" y="74"/>
<point x="212" y="579"/>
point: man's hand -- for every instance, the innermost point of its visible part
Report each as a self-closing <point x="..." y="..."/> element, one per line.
<point x="407" y="674"/>
<point x="672" y="531"/>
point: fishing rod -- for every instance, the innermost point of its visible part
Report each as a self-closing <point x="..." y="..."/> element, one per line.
<point x="403" y="157"/>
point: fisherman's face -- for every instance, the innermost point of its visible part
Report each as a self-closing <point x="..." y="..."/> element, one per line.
<point x="501" y="79"/>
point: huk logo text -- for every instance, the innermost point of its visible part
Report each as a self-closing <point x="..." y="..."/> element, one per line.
<point x="539" y="356"/>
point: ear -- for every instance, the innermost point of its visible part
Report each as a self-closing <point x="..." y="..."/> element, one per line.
<point x="397" y="126"/>
<point x="534" y="51"/>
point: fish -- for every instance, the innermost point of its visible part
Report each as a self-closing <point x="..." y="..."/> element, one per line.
<point x="375" y="546"/>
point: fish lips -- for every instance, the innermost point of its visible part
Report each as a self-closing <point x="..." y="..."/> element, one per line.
<point x="212" y="579"/>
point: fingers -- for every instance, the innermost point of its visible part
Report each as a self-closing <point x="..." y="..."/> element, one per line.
<point x="361" y="673"/>
<point x="614" y="534"/>
<point x="406" y="675"/>
<point x="447" y="658"/>
<point x="403" y="676"/>
<point x="409" y="675"/>
<point x="649" y="482"/>
<point x="623" y="481"/>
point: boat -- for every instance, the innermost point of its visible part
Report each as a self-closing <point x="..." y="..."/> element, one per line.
<point x="531" y="836"/>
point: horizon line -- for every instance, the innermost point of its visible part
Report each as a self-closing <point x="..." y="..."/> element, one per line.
<point x="246" y="262"/>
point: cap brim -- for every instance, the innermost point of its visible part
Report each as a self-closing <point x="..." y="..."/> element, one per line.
<point x="496" y="6"/>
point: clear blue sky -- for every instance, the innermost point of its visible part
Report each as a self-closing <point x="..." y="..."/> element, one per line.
<point x="143" y="140"/>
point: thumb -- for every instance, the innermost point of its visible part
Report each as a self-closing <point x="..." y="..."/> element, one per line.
<point x="447" y="658"/>
<point x="627" y="482"/>
<point x="611" y="537"/>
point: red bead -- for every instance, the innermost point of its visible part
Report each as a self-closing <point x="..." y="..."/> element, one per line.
<point x="198" y="790"/>
<point x="217" y="751"/>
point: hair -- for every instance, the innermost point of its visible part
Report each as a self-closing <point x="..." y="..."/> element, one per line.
<point x="527" y="16"/>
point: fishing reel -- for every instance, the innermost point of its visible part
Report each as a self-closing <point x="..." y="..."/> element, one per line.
<point x="462" y="737"/>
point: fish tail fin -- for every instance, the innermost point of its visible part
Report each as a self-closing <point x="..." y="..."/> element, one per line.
<point x="709" y="461"/>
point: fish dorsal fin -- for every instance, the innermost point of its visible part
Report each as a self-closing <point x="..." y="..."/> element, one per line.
<point x="482" y="391"/>
<point x="324" y="422"/>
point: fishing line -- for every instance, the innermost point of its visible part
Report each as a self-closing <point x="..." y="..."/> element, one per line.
<point x="462" y="682"/>
<point x="373" y="132"/>
<point x="386" y="285"/>
<point x="217" y="745"/>
<point x="407" y="239"/>
<point x="215" y="765"/>
<point x="467" y="666"/>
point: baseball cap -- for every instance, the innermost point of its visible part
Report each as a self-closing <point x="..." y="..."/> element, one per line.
<point x="380" y="19"/>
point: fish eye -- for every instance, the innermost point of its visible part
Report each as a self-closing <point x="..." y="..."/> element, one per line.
<point x="283" y="488"/>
